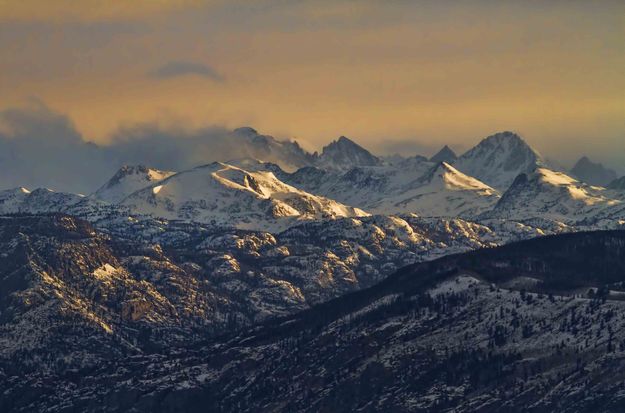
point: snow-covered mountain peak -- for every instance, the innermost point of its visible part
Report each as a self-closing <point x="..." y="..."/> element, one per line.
<point x="344" y="154"/>
<point x="548" y="194"/>
<point x="128" y="179"/>
<point x="246" y="142"/>
<point x="442" y="191"/>
<point x="499" y="159"/>
<point x="446" y="154"/>
<point x="228" y="195"/>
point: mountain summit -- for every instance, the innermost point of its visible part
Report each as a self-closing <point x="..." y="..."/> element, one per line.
<point x="499" y="159"/>
<point x="592" y="173"/>
<point x="552" y="195"/>
<point x="344" y="154"/>
<point x="446" y="154"/>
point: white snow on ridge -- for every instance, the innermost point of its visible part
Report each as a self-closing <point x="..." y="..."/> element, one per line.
<point x="227" y="195"/>
<point x="554" y="195"/>
<point x="445" y="191"/>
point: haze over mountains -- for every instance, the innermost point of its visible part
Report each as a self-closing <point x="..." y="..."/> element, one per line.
<point x="42" y="148"/>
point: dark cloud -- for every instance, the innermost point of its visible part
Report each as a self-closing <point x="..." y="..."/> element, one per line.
<point x="42" y="148"/>
<point x="177" y="69"/>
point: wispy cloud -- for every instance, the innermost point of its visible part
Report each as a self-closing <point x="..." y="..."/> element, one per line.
<point x="180" y="68"/>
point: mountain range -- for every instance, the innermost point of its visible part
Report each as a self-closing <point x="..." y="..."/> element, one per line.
<point x="501" y="177"/>
<point x="335" y="281"/>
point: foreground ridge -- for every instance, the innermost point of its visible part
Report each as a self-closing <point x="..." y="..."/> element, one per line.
<point x="520" y="327"/>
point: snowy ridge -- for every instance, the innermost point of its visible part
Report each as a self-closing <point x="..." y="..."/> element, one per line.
<point x="443" y="191"/>
<point x="41" y="200"/>
<point x="554" y="195"/>
<point x="223" y="194"/>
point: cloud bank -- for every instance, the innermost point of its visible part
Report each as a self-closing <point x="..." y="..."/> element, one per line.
<point x="41" y="148"/>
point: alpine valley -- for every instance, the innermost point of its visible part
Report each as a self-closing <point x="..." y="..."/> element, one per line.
<point x="290" y="281"/>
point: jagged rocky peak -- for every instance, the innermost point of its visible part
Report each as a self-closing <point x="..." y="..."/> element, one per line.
<point x="344" y="154"/>
<point x="247" y="142"/>
<point x="446" y="154"/>
<point x="593" y="173"/>
<point x="498" y="159"/>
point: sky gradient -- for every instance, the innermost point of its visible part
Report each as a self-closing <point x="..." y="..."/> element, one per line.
<point x="396" y="75"/>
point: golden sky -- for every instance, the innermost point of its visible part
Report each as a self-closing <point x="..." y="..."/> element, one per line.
<point x="391" y="74"/>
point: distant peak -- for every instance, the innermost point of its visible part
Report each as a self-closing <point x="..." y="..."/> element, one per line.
<point x="446" y="154"/>
<point x="344" y="153"/>
<point x="593" y="173"/>
<point x="344" y="141"/>
<point x="246" y="130"/>
<point x="504" y="136"/>
<point x="507" y="141"/>
<point x="584" y="162"/>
